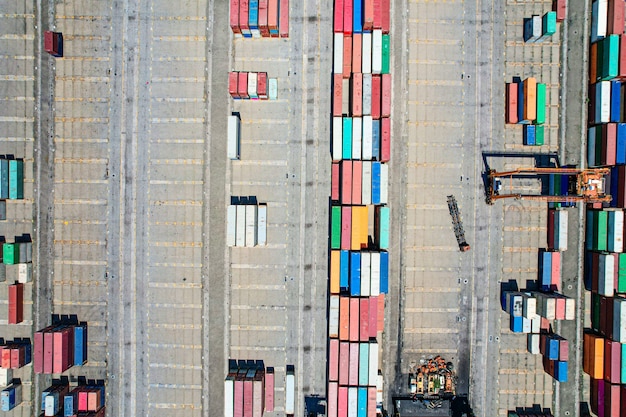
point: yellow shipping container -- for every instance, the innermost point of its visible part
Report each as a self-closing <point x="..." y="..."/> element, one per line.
<point x="335" y="271"/>
<point x="359" y="227"/>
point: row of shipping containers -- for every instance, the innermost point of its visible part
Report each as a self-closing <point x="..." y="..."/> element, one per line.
<point x="252" y="86"/>
<point x="358" y="55"/>
<point x="11" y="397"/>
<point x="538" y="29"/>
<point x="11" y="179"/>
<point x="18" y="251"/>
<point x="606" y="399"/>
<point x="361" y="16"/>
<point x="549" y="278"/>
<point x="59" y="347"/>
<point x="62" y="400"/>
<point x="605" y="230"/>
<point x="562" y="185"/>
<point x="361" y="138"/>
<point x="359" y="183"/>
<point x="526" y="103"/>
<point x="359" y="273"/>
<point x="350" y="226"/>
<point x="606" y="316"/>
<point x="246" y="225"/>
<point x="606" y="103"/>
<point x="259" y="18"/>
<point x="356" y="319"/>
<point x="15" y="354"/>
<point x="353" y="363"/>
<point x="531" y="311"/>
<point x="353" y="401"/>
<point x="248" y="389"/>
<point x="606" y="145"/>
<point x="605" y="273"/>
<point x="557" y="229"/>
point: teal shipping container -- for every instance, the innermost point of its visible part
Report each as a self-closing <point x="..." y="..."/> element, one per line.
<point x="386" y="54"/>
<point x="16" y="179"/>
<point x="382" y="227"/>
<point x="623" y="373"/>
<point x="608" y="68"/>
<point x="4" y="179"/>
<point x="539" y="133"/>
<point x="10" y="253"/>
<point x="541" y="107"/>
<point x="346" y="152"/>
<point x="364" y="362"/>
<point x="600" y="229"/>
<point x="548" y="24"/>
<point x="362" y="402"/>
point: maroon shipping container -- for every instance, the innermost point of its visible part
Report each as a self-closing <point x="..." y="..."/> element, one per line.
<point x="48" y="344"/>
<point x="376" y="85"/>
<point x="385" y="139"/>
<point x="342" y="402"/>
<point x="591" y="105"/>
<point x="346" y="182"/>
<point x="338" y="16"/>
<point x="247" y="398"/>
<point x="344" y="363"/>
<point x="347" y="18"/>
<point x="357" y="181"/>
<point x="560" y="7"/>
<point x="243" y="16"/>
<point x="615" y="24"/>
<point x="334" y="192"/>
<point x="234" y="16"/>
<point x="356" y="94"/>
<point x="337" y="94"/>
<point x="511" y="102"/>
<point x="378" y="16"/>
<point x="551" y="216"/>
<point x="243" y="85"/>
<point x="16" y="303"/>
<point x="53" y="43"/>
<point x="364" y="330"/>
<point x="238" y="406"/>
<point x="269" y="389"/>
<point x="333" y="360"/>
<point x="612" y="361"/>
<point x="609" y="143"/>
<point x="333" y="391"/>
<point x="263" y="27"/>
<point x="38" y="353"/>
<point x="621" y="187"/>
<point x="594" y="390"/>
<point x="283" y="21"/>
<point x="385" y="108"/>
<point x="386" y="15"/>
<point x="373" y="316"/>
<point x="353" y="380"/>
<point x="233" y="78"/>
<point x="354" y="319"/>
<point x="261" y="88"/>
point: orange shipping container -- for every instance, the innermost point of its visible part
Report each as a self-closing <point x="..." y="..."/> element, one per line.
<point x="344" y="318"/>
<point x="357" y="46"/>
<point x="357" y="94"/>
<point x="272" y="17"/>
<point x="359" y="227"/>
<point x="530" y="98"/>
<point x="593" y="63"/>
<point x="593" y="355"/>
<point x="334" y="271"/>
<point x="347" y="54"/>
<point x="368" y="14"/>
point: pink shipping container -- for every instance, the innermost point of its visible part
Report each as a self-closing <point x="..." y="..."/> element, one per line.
<point x="612" y="401"/>
<point x="385" y="109"/>
<point x="47" y="352"/>
<point x="357" y="179"/>
<point x="373" y="316"/>
<point x="6" y="357"/>
<point x="247" y="398"/>
<point x="346" y="182"/>
<point x="347" y="18"/>
<point x="283" y="21"/>
<point x="17" y="357"/>
<point x="371" y="401"/>
<point x="333" y="360"/>
<point x="612" y="361"/>
<point x="269" y="390"/>
<point x="333" y="391"/>
<point x="364" y="331"/>
<point x="368" y="15"/>
<point x="347" y="54"/>
<point x="83" y="400"/>
<point x="38" y="353"/>
<point x="615" y="23"/>
<point x="560" y="309"/>
<point x="263" y="14"/>
<point x="234" y="16"/>
<point x="556" y="271"/>
<point x="356" y="93"/>
<point x="385" y="139"/>
<point x="376" y="86"/>
<point x="563" y="350"/>
<point x="334" y="192"/>
<point x="261" y="90"/>
<point x="338" y="20"/>
<point x="93" y="400"/>
<point x="386" y="15"/>
<point x="344" y="363"/>
<point x="243" y="16"/>
<point x="381" y="312"/>
<point x="346" y="228"/>
<point x="242" y="87"/>
<point x="342" y="402"/>
<point x="354" y="365"/>
<point x="354" y="319"/>
<point x="357" y="46"/>
<point x="57" y="353"/>
<point x="233" y="79"/>
<point x="511" y="103"/>
<point x="337" y="94"/>
<point x="238" y="406"/>
<point x="560" y="7"/>
<point x="272" y="17"/>
<point x="378" y="14"/>
<point x="609" y="143"/>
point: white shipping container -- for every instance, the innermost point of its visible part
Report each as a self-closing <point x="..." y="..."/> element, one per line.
<point x="379" y="389"/>
<point x="535" y="324"/>
<point x="251" y="217"/>
<point x="367" y="96"/>
<point x="366" y="260"/>
<point x="619" y="320"/>
<point x="367" y="138"/>
<point x="345" y="98"/>
<point x="6" y="376"/>
<point x="373" y="365"/>
<point x="252" y="84"/>
<point x="261" y="233"/>
<point x="375" y="274"/>
<point x="570" y="309"/>
<point x="231" y="225"/>
<point x="234" y="136"/>
<point x="606" y="271"/>
<point x="526" y="325"/>
<point x="333" y="320"/>
<point x="338" y="57"/>
<point x="290" y="393"/>
<point x="529" y="309"/>
<point x="377" y="51"/>
<point x="357" y="131"/>
<point x="537" y="28"/>
<point x="560" y="226"/>
<point x="25" y="273"/>
<point x="384" y="183"/>
<point x="591" y="146"/>
<point x="272" y="88"/>
<point x="599" y="19"/>
<point x="549" y="308"/>
<point x="603" y="102"/>
<point x="241" y="226"/>
<point x="533" y="343"/>
<point x="352" y="402"/>
<point x="366" y="183"/>
<point x="337" y="138"/>
<point x="51" y="404"/>
<point x="229" y="397"/>
<point x="616" y="230"/>
<point x="366" y="54"/>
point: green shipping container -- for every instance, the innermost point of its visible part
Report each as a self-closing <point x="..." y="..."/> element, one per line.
<point x="541" y="105"/>
<point x="610" y="57"/>
<point x="4" y="179"/>
<point x="335" y="224"/>
<point x="621" y="273"/>
<point x="600" y="228"/>
<point x="539" y="135"/>
<point x="10" y="253"/>
<point x="382" y="227"/>
<point x="16" y="179"/>
<point x="386" y="53"/>
<point x="595" y="311"/>
<point x="548" y="24"/>
<point x="346" y="152"/>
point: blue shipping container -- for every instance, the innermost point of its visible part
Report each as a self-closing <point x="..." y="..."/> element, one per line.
<point x="560" y="371"/>
<point x="80" y="345"/>
<point x="355" y="273"/>
<point x="375" y="182"/>
<point x="376" y="139"/>
<point x="7" y="398"/>
<point x="545" y="270"/>
<point x="384" y="272"/>
<point x="344" y="262"/>
<point x="253" y="14"/>
<point x="516" y="324"/>
<point x="362" y="402"/>
<point x="620" y="151"/>
<point x="529" y="135"/>
<point x="4" y="179"/>
<point x="528" y="29"/>
<point x="364" y="361"/>
<point x="69" y="403"/>
<point x="357" y="15"/>
<point x="616" y="98"/>
<point x="552" y="348"/>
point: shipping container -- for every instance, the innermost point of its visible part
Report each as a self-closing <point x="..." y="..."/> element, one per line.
<point x="335" y="221"/>
<point x="366" y="139"/>
<point x="385" y="139"/>
<point x="376" y="96"/>
<point x="385" y="109"/>
<point x="599" y="19"/>
<point x="384" y="272"/>
<point x="367" y="98"/>
<point x="609" y="59"/>
<point x="366" y="53"/>
<point x="366" y="197"/>
<point x="355" y="287"/>
<point x="272" y="17"/>
<point x="528" y="134"/>
<point x="346" y="228"/>
<point x="560" y="7"/>
<point x="263" y="18"/>
<point x="615" y="20"/>
<point x="290" y="383"/>
<point x="377" y="52"/>
<point x="357" y="172"/>
<point x="511" y="100"/>
<point x="344" y="318"/>
<point x="346" y="181"/>
<point x="242" y="86"/>
<point x="376" y="139"/>
<point x="532" y="29"/>
<point x="16" y="303"/>
<point x="338" y="95"/>
<point x="357" y="47"/>
<point x="10" y="397"/>
<point x="261" y="89"/>
<point x="593" y="63"/>
<point x="347" y="56"/>
<point x="530" y="99"/>
<point x="541" y="104"/>
<point x="364" y="309"/>
<point x="615" y="236"/>
<point x="272" y="88"/>
<point x="338" y="54"/>
<point x="332" y="399"/>
<point x="252" y="85"/>
<point x="234" y="136"/>
<point x="386" y="15"/>
<point x="356" y="95"/>
<point x="233" y="79"/>
<point x="347" y="138"/>
<point x="359" y="227"/>
<point x="253" y="18"/>
<point x="373" y="318"/>
<point x="375" y="274"/>
<point x="333" y="316"/>
<point x="357" y="16"/>
<point x="283" y="21"/>
<point x="602" y="109"/>
<point x="345" y="269"/>
<point x="548" y="22"/>
<point x="357" y="132"/>
<point x="352" y="401"/>
<point x="269" y="389"/>
<point x="353" y="379"/>
<point x="619" y="320"/>
<point x="251" y="226"/>
<point x="240" y="234"/>
<point x="364" y="357"/>
<point x="520" y="103"/>
<point x="366" y="260"/>
<point x="261" y="230"/>
<point x="342" y="402"/>
<point x="337" y="151"/>
<point x="382" y="227"/>
<point x="386" y="55"/>
<point x="338" y="16"/>
<point x="6" y="377"/>
<point x="80" y="344"/>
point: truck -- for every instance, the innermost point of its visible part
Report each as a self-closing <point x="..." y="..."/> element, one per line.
<point x="290" y="391"/>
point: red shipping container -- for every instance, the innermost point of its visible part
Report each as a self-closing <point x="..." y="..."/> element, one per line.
<point x="57" y="352"/>
<point x="357" y="178"/>
<point x="261" y="89"/>
<point x="386" y="15"/>
<point x="337" y="94"/>
<point x="346" y="182"/>
<point x="16" y="303"/>
<point x="338" y="19"/>
<point x="371" y="401"/>
<point x="244" y="16"/>
<point x="376" y="85"/>
<point x="6" y="357"/>
<point x="334" y="192"/>
<point x="353" y="380"/>
<point x="381" y="312"/>
<point x="364" y="310"/>
<point x="368" y="15"/>
<point x="243" y="85"/>
<point x="593" y="391"/>
<point x="354" y="319"/>
<point x="17" y="357"/>
<point x="344" y="363"/>
<point x="48" y="41"/>
<point x="622" y="58"/>
<point x="344" y="318"/>
<point x="609" y="143"/>
<point x="385" y="109"/>
<point x="563" y="350"/>
<point x="38" y="353"/>
<point x="615" y="24"/>
<point x="342" y="402"/>
<point x="385" y="139"/>
<point x="247" y="398"/>
<point x="48" y="344"/>
<point x="283" y="21"/>
<point x="511" y="102"/>
<point x="346" y="227"/>
<point x="333" y="392"/>
<point x="333" y="361"/>
<point x="556" y="270"/>
<point x="238" y="406"/>
<point x="83" y="400"/>
<point x="269" y="391"/>
<point x="272" y="17"/>
<point x="612" y="397"/>
<point x="357" y="41"/>
<point x="234" y="16"/>
<point x="263" y="28"/>
<point x="356" y="94"/>
<point x="560" y="7"/>
<point x="347" y="17"/>
<point x="373" y="316"/>
<point x="378" y="16"/>
<point x="347" y="53"/>
<point x="593" y="63"/>
<point x="233" y="79"/>
<point x="612" y="361"/>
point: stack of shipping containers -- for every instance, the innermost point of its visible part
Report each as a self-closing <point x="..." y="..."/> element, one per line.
<point x="84" y="400"/>
<point x="259" y="18"/>
<point x="246" y="225"/>
<point x="359" y="232"/>
<point x="604" y="347"/>
<point x="248" y="389"/>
